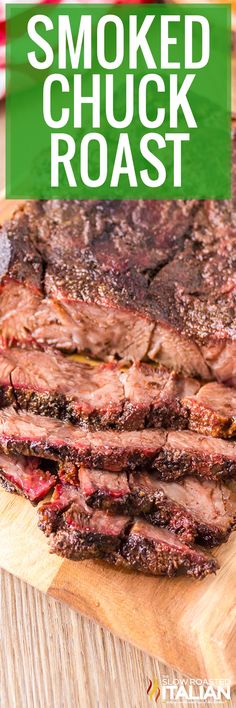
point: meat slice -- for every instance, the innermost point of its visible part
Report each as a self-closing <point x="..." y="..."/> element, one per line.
<point x="53" y="385"/>
<point x="153" y="397"/>
<point x="187" y="453"/>
<point x="28" y="476"/>
<point x="173" y="454"/>
<point x="26" y="433"/>
<point x="212" y="410"/>
<point x="68" y="509"/>
<point x="76" y="531"/>
<point x="102" y="490"/>
<point x="206" y="507"/>
<point x="96" y="396"/>
<point x="193" y="509"/>
<point x="132" y="280"/>
<point x="108" y="396"/>
<point x="120" y="493"/>
<point x="159" y="552"/>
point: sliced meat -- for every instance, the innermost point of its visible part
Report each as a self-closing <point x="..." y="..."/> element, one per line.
<point x="68" y="507"/>
<point x="28" y="476"/>
<point x="173" y="454"/>
<point x="107" y="396"/>
<point x="204" y="510"/>
<point x="102" y="490"/>
<point x="120" y="493"/>
<point x="141" y="496"/>
<point x="53" y="385"/>
<point x="96" y="396"/>
<point x="153" y="397"/>
<point x="90" y="247"/>
<point x="212" y="410"/>
<point x="209" y="506"/>
<point x="187" y="453"/>
<point x="28" y="434"/>
<point x="131" y="279"/>
<point x="76" y="531"/>
<point x="159" y="552"/>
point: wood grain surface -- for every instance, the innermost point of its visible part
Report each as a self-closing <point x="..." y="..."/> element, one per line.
<point x="187" y="623"/>
<point x="55" y="658"/>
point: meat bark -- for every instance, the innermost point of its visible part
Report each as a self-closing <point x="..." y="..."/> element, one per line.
<point x="172" y="454"/>
<point x="76" y="531"/>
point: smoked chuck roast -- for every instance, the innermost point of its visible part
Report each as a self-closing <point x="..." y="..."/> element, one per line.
<point x="138" y="455"/>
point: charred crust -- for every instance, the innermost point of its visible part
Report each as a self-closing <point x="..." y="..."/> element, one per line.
<point x="6" y="396"/>
<point x="142" y="554"/>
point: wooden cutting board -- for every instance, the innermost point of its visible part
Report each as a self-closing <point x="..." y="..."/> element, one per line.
<point x="187" y="623"/>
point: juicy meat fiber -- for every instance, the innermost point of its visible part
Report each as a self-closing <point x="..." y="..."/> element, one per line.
<point x="173" y="454"/>
<point x="135" y="280"/>
<point x="77" y="531"/>
<point x="28" y="476"/>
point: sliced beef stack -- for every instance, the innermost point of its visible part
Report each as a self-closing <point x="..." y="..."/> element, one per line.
<point x="79" y="532"/>
<point x="141" y="456"/>
<point x="203" y="511"/>
<point x="136" y="515"/>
